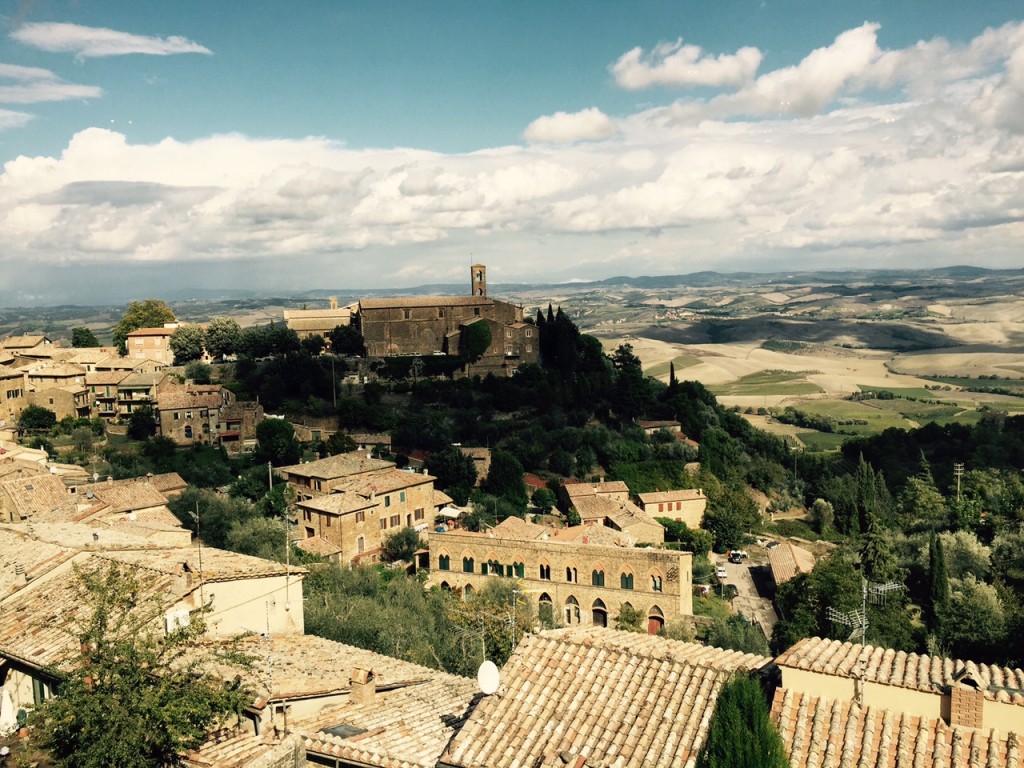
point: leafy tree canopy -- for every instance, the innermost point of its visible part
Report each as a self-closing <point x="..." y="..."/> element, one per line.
<point x="222" y="336"/>
<point x="454" y="471"/>
<point x="401" y="545"/>
<point x="142" y="423"/>
<point x="188" y="342"/>
<point x="148" y="313"/>
<point x="741" y="734"/>
<point x="276" y="443"/>
<point x="83" y="337"/>
<point x="476" y="339"/>
<point x="35" y="418"/>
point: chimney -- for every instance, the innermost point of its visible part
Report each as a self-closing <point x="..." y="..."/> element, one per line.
<point x="363" y="685"/>
<point x="20" y="577"/>
<point x="110" y="479"/>
<point x="966" y="702"/>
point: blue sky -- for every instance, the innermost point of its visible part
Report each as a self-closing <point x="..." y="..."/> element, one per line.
<point x="290" y="146"/>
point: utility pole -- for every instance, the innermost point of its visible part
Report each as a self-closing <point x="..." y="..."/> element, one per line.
<point x="958" y="472"/>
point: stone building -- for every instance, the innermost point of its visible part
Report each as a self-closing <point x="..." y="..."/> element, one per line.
<point x="685" y="505"/>
<point x="151" y="344"/>
<point x="318" y="322"/>
<point x="579" y="575"/>
<point x="191" y="417"/>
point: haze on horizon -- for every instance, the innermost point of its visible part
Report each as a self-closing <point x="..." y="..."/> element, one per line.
<point x="151" y="149"/>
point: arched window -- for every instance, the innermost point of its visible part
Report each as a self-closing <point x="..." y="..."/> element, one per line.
<point x="572" y="610"/>
<point x="597" y="578"/>
<point x="467" y="591"/>
<point x="545" y="572"/>
<point x="656" y="581"/>
<point x="545" y="610"/>
<point x="626" y="580"/>
<point x="655" y="620"/>
<point x="188" y="431"/>
<point x="519" y="569"/>
<point x="468" y="565"/>
<point x="570" y="575"/>
<point x="360" y="544"/>
<point x="599" y="613"/>
<point x="444" y="562"/>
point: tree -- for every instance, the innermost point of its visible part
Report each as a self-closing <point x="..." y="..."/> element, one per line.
<point x="276" y="443"/>
<point x="35" y="418"/>
<point x="476" y="338"/>
<point x="222" y="337"/>
<point x="822" y="515"/>
<point x="543" y="499"/>
<point x="188" y="343"/>
<point x="142" y="423"/>
<point x="134" y="696"/>
<point x="339" y="442"/>
<point x="347" y="340"/>
<point x="629" y="619"/>
<point x="149" y="313"/>
<point x="741" y="734"/>
<point x="939" y="587"/>
<point x="199" y="372"/>
<point x="455" y="472"/>
<point x="505" y="478"/>
<point x="738" y="634"/>
<point x="83" y="337"/>
<point x="401" y="545"/>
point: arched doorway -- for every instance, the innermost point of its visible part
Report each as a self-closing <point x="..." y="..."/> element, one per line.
<point x="545" y="610"/>
<point x="467" y="592"/>
<point x="655" y="620"/>
<point x="572" y="611"/>
<point x="599" y="613"/>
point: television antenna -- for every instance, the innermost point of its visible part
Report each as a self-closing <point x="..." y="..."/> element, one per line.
<point x="857" y="620"/>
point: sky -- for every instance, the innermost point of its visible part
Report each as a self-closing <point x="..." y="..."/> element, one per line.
<point x="260" y="146"/>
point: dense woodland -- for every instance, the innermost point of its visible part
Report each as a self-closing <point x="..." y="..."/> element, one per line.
<point x="951" y="554"/>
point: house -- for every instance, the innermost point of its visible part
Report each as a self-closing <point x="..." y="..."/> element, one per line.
<point x="318" y="322"/>
<point x="318" y="478"/>
<point x="191" y="416"/>
<point x="581" y="575"/>
<point x="653" y="427"/>
<point x="362" y="510"/>
<point x="588" y="696"/>
<point x="684" y="505"/>
<point x="91" y="357"/>
<point x="103" y="386"/>
<point x="39" y="495"/>
<point x="13" y="393"/>
<point x="894" y="708"/>
<point x="27" y="342"/>
<point x="140" y="390"/>
<point x="481" y="461"/>
<point x="787" y="560"/>
<point x="151" y="344"/>
<point x="236" y="425"/>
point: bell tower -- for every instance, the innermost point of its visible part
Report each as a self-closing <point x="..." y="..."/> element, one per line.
<point x="478" y="280"/>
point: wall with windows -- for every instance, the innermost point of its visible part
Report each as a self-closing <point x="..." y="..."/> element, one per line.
<point x="584" y="584"/>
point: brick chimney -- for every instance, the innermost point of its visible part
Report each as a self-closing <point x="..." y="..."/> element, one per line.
<point x="363" y="685"/>
<point x="966" y="702"/>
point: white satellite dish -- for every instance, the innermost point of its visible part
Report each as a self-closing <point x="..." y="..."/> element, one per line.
<point x="487" y="678"/>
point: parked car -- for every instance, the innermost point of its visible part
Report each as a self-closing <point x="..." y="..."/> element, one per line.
<point x="735" y="557"/>
<point x="721" y="573"/>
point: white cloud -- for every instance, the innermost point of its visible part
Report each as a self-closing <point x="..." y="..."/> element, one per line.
<point x="96" y="42"/>
<point x="566" y="127"/>
<point x="675" y="64"/>
<point x="33" y="85"/>
<point x="11" y="119"/>
<point x="933" y="173"/>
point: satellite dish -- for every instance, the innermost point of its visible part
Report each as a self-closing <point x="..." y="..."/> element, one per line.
<point x="487" y="678"/>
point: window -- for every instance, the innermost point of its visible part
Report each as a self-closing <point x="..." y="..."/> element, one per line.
<point x="188" y="414"/>
<point x="306" y="515"/>
<point x="597" y="578"/>
<point x="626" y="580"/>
<point x="661" y="507"/>
<point x="387" y="501"/>
<point x="476" y="311"/>
<point x="440" y="313"/>
<point x="508" y="349"/>
<point x="545" y="572"/>
<point x="317" y="485"/>
<point x="396" y="520"/>
<point x="656" y="583"/>
<point x="360" y="544"/>
<point x="401" y="497"/>
<point x="383" y="523"/>
<point x="570" y="574"/>
<point x="361" y="516"/>
<point x="529" y="348"/>
<point x="51" y="401"/>
<point x="406" y="314"/>
<point x="519" y="569"/>
<point x="419" y="514"/>
<point x="529" y="333"/>
<point x="444" y="562"/>
<point x="467" y="565"/>
<point x="188" y="432"/>
<point x="328" y="518"/>
<point x="508" y="334"/>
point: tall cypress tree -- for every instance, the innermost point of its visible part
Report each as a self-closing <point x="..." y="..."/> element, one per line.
<point x="940" y="580"/>
<point x="741" y="734"/>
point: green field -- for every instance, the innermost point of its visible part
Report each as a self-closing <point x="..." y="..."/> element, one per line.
<point x="682" y="361"/>
<point x="917" y="393"/>
<point x="822" y="441"/>
<point x="1011" y="385"/>
<point x="769" y="383"/>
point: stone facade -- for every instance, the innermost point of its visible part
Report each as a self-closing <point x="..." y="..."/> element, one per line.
<point x="151" y="344"/>
<point x="686" y="506"/>
<point x="573" y="583"/>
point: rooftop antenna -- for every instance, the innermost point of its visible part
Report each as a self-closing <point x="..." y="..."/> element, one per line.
<point x="857" y="620"/>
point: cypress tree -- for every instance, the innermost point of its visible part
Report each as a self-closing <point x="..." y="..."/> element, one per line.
<point x="741" y="734"/>
<point x="940" y="579"/>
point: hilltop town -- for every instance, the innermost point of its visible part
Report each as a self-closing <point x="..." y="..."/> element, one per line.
<point x="373" y="500"/>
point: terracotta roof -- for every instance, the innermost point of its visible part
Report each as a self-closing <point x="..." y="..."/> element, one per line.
<point x="138" y="379"/>
<point x="94" y="535"/>
<point x="576" y="490"/>
<point x="339" y="503"/>
<point x="370" y="438"/>
<point x="240" y="750"/>
<point x="333" y="467"/>
<point x="407" y="727"/>
<point x="61" y="371"/>
<point x="152" y="332"/>
<point x="518" y="529"/>
<point x="170" y="401"/>
<point x="218" y="564"/>
<point x="90" y="355"/>
<point x="39" y="495"/>
<point x="426" y="301"/>
<point x="384" y="481"/>
<point x="624" y="514"/>
<point x="685" y="494"/>
<point x="602" y="699"/>
<point x="6" y="372"/>
<point x="318" y="545"/>
<point x="153" y="516"/>
<point x="124" y="496"/>
<point x="22" y="342"/>
<point x="593" y="534"/>
<point x="35" y="556"/>
<point x="787" y="560"/>
<point x="906" y="670"/>
<point x="167" y="482"/>
<point x="820" y="732"/>
<point x="663" y="424"/>
<point x="440" y="498"/>
<point x="104" y="378"/>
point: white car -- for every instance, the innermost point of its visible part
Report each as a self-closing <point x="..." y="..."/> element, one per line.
<point x="721" y="573"/>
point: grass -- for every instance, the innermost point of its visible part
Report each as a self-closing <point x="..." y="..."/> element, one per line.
<point x="769" y="383"/>
<point x="918" y="393"/>
<point x="1012" y="385"/>
<point x="822" y="441"/>
<point x="712" y="606"/>
<point x="682" y="361"/>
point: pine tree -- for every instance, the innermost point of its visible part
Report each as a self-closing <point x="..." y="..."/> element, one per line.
<point x="741" y="734"/>
<point x="940" y="580"/>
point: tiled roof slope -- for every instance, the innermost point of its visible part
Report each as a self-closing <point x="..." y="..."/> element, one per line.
<point x="384" y="481"/>
<point x="36" y="557"/>
<point x="787" y="560"/>
<point x="426" y="301"/>
<point x="240" y="750"/>
<point x="600" y="699"/>
<point x="124" y="496"/>
<point x="39" y="495"/>
<point x="342" y="465"/>
<point x="818" y="732"/>
<point x="655" y="497"/>
<point x="906" y="670"/>
<point x="407" y="727"/>
<point x="576" y="490"/>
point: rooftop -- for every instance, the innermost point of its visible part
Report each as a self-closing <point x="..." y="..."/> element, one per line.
<point x="338" y="503"/>
<point x="683" y="494"/>
<point x="170" y="401"/>
<point x="218" y="564"/>
<point x="819" y="732"/>
<point x="577" y="490"/>
<point x="905" y="670"/>
<point x="787" y="560"/>
<point x="333" y="467"/>
<point x="35" y="556"/>
<point x="426" y="301"/>
<point x="39" y="495"/>
<point x="385" y="481"/>
<point x="597" y="696"/>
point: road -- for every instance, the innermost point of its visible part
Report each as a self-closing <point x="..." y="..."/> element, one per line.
<point x="747" y="600"/>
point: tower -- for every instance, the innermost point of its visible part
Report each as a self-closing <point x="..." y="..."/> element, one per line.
<point x="478" y="280"/>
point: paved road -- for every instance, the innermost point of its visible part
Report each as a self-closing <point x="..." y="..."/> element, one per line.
<point x="747" y="600"/>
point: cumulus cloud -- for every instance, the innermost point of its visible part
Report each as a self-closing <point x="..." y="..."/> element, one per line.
<point x="97" y="42"/>
<point x="566" y="127"/>
<point x="675" y="64"/>
<point x="800" y="164"/>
